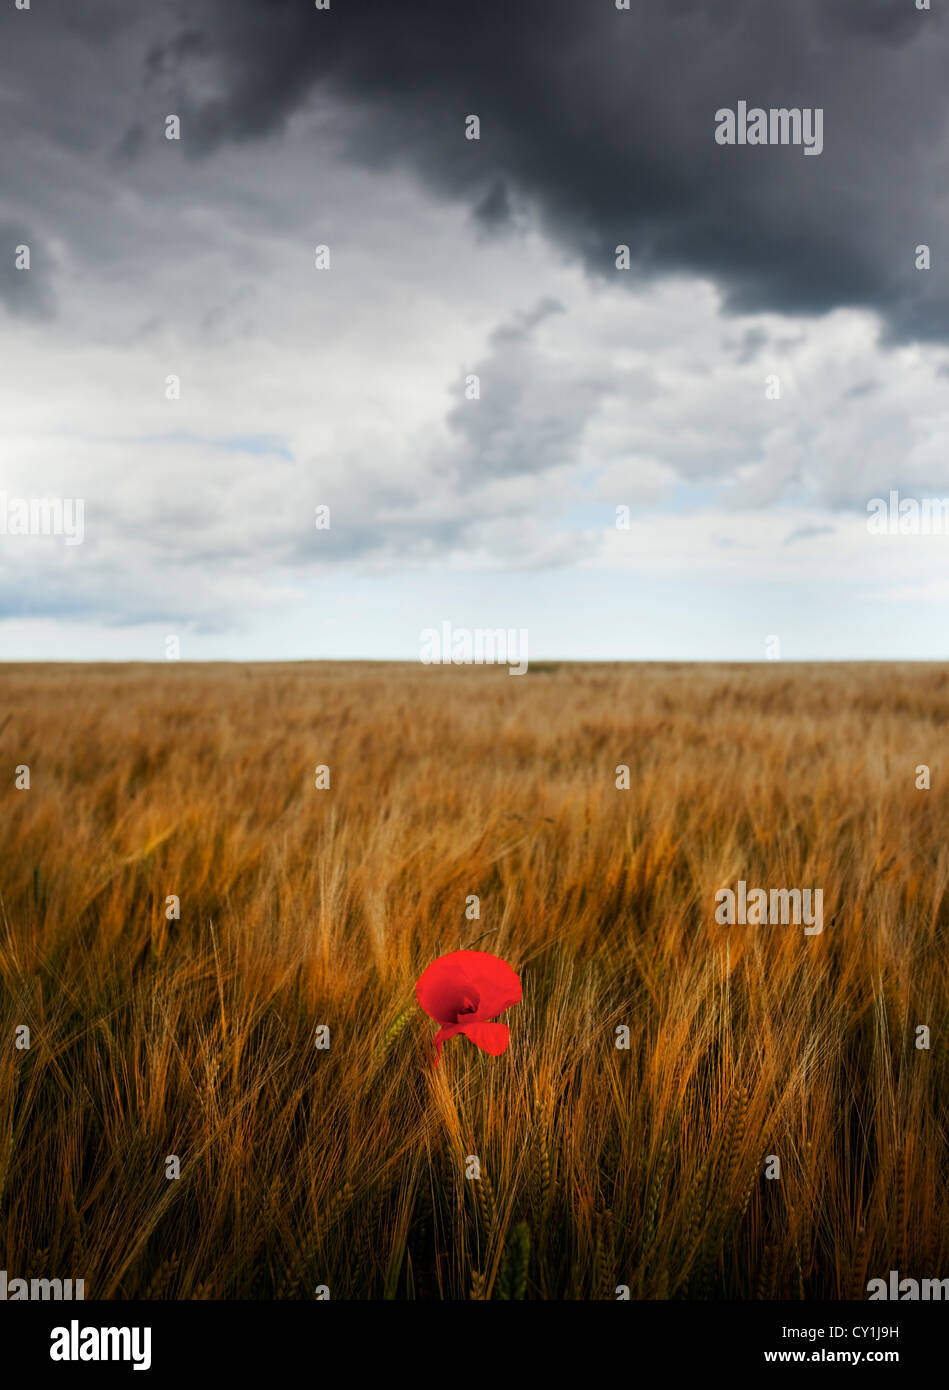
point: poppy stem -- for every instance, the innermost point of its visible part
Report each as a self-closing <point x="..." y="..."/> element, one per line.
<point x="479" y="938"/>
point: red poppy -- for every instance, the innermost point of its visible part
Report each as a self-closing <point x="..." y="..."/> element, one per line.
<point x="465" y="989"/>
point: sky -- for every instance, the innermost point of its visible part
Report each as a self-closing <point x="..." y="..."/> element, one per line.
<point x="471" y="386"/>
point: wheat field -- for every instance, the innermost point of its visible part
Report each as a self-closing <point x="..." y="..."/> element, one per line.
<point x="344" y="1168"/>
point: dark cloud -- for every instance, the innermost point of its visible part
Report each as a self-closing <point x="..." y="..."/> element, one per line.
<point x="494" y="211"/>
<point x="169" y="54"/>
<point x="603" y="120"/>
<point x="751" y="343"/>
<point x="529" y="417"/>
<point x="131" y="144"/>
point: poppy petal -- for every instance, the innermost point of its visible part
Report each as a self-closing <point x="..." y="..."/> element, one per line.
<point x="443" y="989"/>
<point x="442" y="1036"/>
<point x="495" y="983"/>
<point x="490" y="1037"/>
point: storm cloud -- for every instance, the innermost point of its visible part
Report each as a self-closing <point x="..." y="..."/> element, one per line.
<point x="602" y="122"/>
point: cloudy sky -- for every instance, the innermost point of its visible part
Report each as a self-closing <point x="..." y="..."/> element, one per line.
<point x="651" y="388"/>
